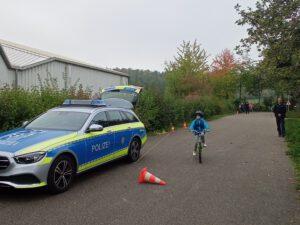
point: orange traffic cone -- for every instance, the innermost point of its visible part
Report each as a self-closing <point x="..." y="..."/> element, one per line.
<point x="184" y="125"/>
<point x="146" y="177"/>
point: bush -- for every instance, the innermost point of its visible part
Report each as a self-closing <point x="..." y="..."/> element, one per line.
<point x="159" y="113"/>
<point x="18" y="105"/>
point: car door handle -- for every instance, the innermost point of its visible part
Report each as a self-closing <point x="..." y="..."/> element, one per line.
<point x="129" y="127"/>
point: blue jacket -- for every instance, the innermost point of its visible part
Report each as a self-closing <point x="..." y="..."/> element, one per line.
<point x="199" y="125"/>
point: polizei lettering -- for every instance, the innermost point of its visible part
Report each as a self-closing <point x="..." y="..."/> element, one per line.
<point x="100" y="147"/>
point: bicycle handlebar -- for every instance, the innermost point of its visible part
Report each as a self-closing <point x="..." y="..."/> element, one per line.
<point x="197" y="132"/>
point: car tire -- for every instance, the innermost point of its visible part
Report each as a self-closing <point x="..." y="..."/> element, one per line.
<point x="134" y="150"/>
<point x="61" y="174"/>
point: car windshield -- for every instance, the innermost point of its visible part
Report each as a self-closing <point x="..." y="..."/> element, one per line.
<point x="59" y="120"/>
<point x="126" y="95"/>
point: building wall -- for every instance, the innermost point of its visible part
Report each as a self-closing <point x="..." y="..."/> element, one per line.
<point x="68" y="75"/>
<point x="96" y="80"/>
<point x="7" y="76"/>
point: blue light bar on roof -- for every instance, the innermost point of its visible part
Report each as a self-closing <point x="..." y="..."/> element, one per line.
<point x="79" y="102"/>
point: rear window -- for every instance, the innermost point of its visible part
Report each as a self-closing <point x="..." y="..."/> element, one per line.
<point x="126" y="95"/>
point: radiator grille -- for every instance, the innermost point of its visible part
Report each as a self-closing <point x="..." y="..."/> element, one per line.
<point x="4" y="162"/>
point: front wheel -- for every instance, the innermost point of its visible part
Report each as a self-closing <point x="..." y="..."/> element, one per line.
<point x="200" y="152"/>
<point x="134" y="150"/>
<point x="61" y="174"/>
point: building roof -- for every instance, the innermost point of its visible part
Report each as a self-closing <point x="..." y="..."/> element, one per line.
<point x="21" y="57"/>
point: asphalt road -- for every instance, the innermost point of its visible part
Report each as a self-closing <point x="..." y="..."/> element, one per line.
<point x="245" y="179"/>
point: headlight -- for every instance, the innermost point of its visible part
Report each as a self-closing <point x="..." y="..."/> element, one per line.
<point x="30" y="157"/>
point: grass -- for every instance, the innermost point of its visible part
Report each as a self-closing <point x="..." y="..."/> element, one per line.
<point x="293" y="114"/>
<point x="293" y="139"/>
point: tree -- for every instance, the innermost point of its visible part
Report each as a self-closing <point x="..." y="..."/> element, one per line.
<point x="223" y="63"/>
<point x="226" y="85"/>
<point x="153" y="80"/>
<point x="274" y="27"/>
<point x="223" y="75"/>
<point x="187" y="73"/>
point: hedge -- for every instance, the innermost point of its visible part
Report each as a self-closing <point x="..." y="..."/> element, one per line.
<point x="18" y="105"/>
<point x="160" y="113"/>
<point x="156" y="111"/>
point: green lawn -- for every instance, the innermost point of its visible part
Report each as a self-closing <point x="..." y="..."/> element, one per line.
<point x="293" y="139"/>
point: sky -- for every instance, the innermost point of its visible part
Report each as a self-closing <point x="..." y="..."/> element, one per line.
<point x="139" y="34"/>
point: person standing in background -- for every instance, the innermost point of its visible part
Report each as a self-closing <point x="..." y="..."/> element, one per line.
<point x="247" y="107"/>
<point x="279" y="111"/>
<point x="251" y="107"/>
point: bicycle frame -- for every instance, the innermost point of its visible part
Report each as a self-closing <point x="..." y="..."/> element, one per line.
<point x="199" y="146"/>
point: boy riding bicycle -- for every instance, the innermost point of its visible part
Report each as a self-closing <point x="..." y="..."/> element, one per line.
<point x="199" y="126"/>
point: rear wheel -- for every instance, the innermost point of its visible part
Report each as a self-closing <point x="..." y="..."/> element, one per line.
<point x="134" y="150"/>
<point x="61" y="174"/>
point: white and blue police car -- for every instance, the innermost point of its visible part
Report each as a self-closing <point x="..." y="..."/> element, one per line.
<point x="77" y="136"/>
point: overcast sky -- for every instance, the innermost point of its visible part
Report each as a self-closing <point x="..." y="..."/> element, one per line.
<point x="121" y="33"/>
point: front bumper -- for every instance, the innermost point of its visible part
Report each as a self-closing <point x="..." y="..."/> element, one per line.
<point x="24" y="175"/>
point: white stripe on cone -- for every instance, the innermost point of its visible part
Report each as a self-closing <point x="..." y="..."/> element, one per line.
<point x="145" y="176"/>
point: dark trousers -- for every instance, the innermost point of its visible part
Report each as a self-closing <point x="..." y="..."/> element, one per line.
<point x="280" y="126"/>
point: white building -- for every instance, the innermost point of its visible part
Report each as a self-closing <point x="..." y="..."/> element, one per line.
<point x="25" y="67"/>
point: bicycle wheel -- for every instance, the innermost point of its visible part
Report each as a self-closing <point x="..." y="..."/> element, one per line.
<point x="200" y="152"/>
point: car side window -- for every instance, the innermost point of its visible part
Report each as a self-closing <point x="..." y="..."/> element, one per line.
<point x="115" y="118"/>
<point x="124" y="117"/>
<point x="131" y="118"/>
<point x="101" y="119"/>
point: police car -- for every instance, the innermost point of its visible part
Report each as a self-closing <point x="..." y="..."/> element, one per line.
<point x="67" y="140"/>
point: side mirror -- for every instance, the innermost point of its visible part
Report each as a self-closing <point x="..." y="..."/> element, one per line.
<point x="95" y="128"/>
<point x="25" y="123"/>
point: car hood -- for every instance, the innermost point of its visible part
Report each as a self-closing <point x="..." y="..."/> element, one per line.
<point x="19" y="139"/>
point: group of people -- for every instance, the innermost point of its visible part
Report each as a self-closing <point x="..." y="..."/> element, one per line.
<point x="245" y="107"/>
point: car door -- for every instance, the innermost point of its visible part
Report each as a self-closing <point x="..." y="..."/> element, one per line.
<point x="121" y="129"/>
<point x="100" y="144"/>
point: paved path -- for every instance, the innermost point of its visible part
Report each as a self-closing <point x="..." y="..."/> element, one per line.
<point x="246" y="179"/>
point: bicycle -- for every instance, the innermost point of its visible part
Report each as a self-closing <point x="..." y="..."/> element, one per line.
<point x="199" y="145"/>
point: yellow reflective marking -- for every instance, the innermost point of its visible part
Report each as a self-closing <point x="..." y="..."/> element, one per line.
<point x="137" y="89"/>
<point x="45" y="161"/>
<point x="102" y="160"/>
<point x="67" y="139"/>
<point x="56" y="142"/>
<point x="33" y="185"/>
<point x="126" y="126"/>
<point x="144" y="139"/>
<point x="45" y="145"/>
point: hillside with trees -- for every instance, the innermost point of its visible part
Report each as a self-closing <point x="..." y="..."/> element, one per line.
<point x="154" y="80"/>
